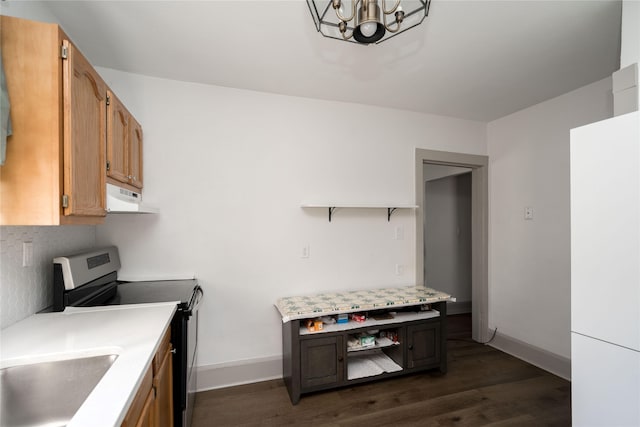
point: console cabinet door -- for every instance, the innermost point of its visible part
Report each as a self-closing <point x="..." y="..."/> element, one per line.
<point x="322" y="362"/>
<point x="423" y="345"/>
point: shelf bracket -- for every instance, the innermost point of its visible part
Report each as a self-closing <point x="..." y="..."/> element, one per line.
<point x="331" y="209"/>
<point x="389" y="212"/>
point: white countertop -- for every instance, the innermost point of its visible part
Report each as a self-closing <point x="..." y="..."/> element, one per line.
<point x="133" y="332"/>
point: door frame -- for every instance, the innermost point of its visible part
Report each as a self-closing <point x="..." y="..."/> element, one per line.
<point x="479" y="228"/>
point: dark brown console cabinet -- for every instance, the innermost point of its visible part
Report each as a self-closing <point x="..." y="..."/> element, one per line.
<point x="322" y="360"/>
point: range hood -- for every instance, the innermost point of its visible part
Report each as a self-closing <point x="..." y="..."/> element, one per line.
<point x="121" y="200"/>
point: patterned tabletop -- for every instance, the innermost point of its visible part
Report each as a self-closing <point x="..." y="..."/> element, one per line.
<point x="306" y="306"/>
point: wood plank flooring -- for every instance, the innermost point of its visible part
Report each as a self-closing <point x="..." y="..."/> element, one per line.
<point x="482" y="387"/>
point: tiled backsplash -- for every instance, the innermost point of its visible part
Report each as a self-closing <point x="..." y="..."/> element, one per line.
<point x="27" y="290"/>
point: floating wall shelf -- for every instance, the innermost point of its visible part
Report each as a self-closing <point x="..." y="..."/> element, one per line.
<point x="332" y="206"/>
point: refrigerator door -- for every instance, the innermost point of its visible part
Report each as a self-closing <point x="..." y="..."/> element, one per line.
<point x="605" y="384"/>
<point x="605" y="230"/>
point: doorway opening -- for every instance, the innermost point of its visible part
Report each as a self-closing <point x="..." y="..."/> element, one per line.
<point x="453" y="170"/>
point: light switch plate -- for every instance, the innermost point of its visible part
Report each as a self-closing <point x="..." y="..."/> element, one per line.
<point x="27" y="254"/>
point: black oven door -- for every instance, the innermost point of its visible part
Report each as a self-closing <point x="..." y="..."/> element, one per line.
<point x="179" y="333"/>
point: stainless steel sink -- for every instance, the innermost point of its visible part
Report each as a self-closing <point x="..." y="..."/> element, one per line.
<point x="48" y="393"/>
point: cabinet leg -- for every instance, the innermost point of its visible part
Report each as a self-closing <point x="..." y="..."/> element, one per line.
<point x="442" y="307"/>
<point x="295" y="398"/>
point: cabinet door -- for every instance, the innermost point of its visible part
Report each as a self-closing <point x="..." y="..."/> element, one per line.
<point x="141" y="410"/>
<point x="84" y="134"/>
<point x="135" y="153"/>
<point x="322" y="361"/>
<point x="117" y="139"/>
<point x="147" y="416"/>
<point x="423" y="345"/>
<point x="163" y="384"/>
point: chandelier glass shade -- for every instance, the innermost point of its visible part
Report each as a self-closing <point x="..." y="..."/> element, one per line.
<point x="366" y="21"/>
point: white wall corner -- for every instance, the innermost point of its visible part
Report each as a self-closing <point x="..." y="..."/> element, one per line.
<point x="221" y="375"/>
<point x="551" y="362"/>
<point x="625" y="90"/>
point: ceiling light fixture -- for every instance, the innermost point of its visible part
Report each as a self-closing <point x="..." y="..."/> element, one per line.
<point x="366" y="21"/>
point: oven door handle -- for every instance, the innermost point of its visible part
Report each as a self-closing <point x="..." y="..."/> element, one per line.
<point x="199" y="295"/>
<point x="196" y="298"/>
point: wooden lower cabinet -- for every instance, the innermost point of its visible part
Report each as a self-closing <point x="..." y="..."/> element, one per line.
<point x="331" y="358"/>
<point x="153" y="404"/>
<point x="147" y="417"/>
<point x="163" y="385"/>
<point x="140" y="409"/>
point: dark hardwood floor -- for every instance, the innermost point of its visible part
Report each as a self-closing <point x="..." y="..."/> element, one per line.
<point x="482" y="387"/>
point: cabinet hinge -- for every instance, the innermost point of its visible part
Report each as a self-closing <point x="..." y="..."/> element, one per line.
<point x="108" y="165"/>
<point x="65" y="201"/>
<point x="63" y="52"/>
<point x="108" y="100"/>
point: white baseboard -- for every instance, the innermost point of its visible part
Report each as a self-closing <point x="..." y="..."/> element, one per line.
<point x="221" y="375"/>
<point x="551" y="362"/>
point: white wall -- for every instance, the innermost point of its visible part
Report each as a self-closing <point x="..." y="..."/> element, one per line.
<point x="630" y="33"/>
<point x="26" y="290"/>
<point x="229" y="169"/>
<point x="529" y="264"/>
<point x="35" y="10"/>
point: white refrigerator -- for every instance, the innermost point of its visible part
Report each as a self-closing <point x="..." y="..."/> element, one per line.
<point x="605" y="273"/>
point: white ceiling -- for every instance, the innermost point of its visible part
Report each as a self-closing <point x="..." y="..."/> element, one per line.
<point x="477" y="60"/>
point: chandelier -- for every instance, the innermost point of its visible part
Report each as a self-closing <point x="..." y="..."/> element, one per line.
<point x="367" y="21"/>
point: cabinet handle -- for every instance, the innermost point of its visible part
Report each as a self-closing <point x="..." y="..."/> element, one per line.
<point x="174" y="351"/>
<point x="340" y="358"/>
<point x="129" y="176"/>
<point x="410" y="346"/>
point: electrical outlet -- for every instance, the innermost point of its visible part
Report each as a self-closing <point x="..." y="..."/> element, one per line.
<point x="528" y="213"/>
<point x="398" y="233"/>
<point x="305" y="252"/>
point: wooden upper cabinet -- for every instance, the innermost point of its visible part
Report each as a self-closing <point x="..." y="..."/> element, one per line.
<point x="135" y="153"/>
<point x="124" y="145"/>
<point x="55" y="167"/>
<point x="117" y="139"/>
<point x="84" y="133"/>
